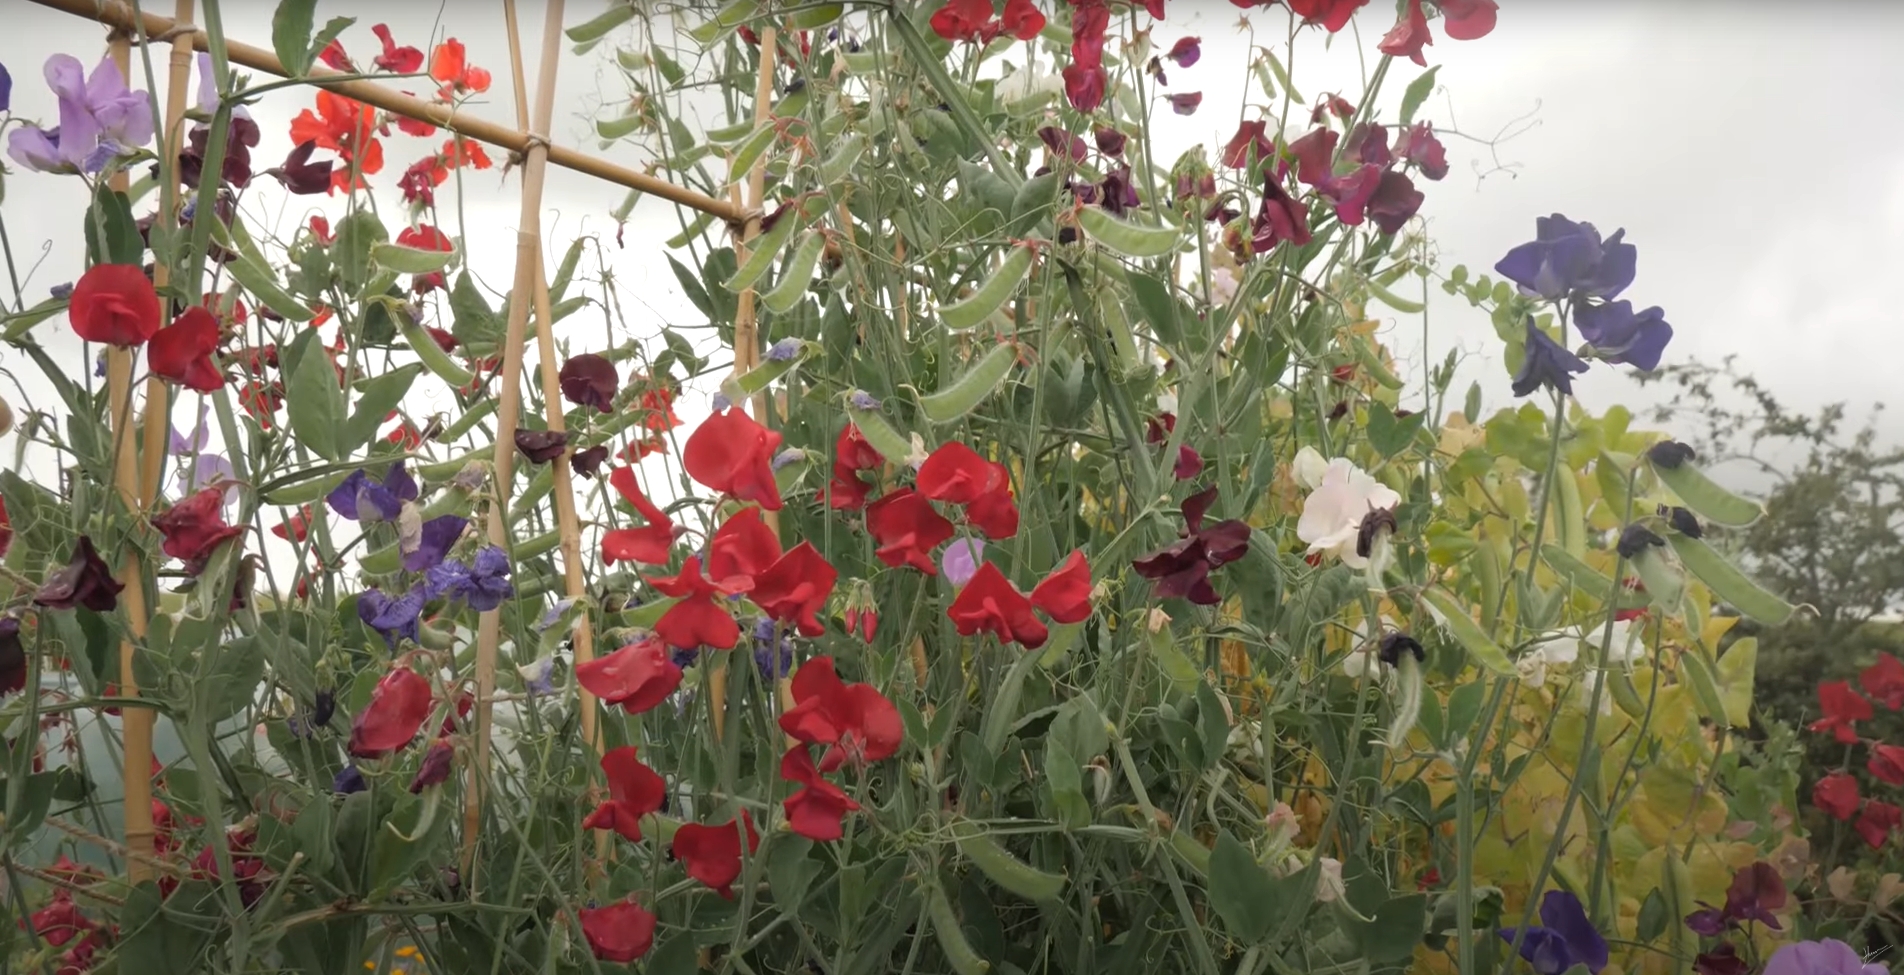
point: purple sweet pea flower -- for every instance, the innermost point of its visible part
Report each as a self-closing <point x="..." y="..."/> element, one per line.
<point x="1564" y="938"/>
<point x="1570" y="258"/>
<point x="773" y="650"/>
<point x="6" y="89"/>
<point x="961" y="559"/>
<point x="448" y="580"/>
<point x="200" y="438"/>
<point x="348" y="780"/>
<point x="1827" y="957"/>
<point x="393" y="619"/>
<point x="1620" y="335"/>
<point x="784" y="350"/>
<point x="434" y="543"/>
<point x="538" y="676"/>
<point x="1186" y="51"/>
<point x="1185" y="103"/>
<point x="489" y="579"/>
<point x="1548" y="364"/>
<point x="207" y="470"/>
<point x="99" y="118"/>
<point x="359" y="498"/>
<point x="208" y="90"/>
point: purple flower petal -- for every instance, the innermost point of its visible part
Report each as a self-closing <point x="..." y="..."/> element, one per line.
<point x="1548" y="363"/>
<point x="961" y="559"/>
<point x="437" y="537"/>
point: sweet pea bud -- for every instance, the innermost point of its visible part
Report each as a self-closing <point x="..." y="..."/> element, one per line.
<point x="435" y="769"/>
<point x="6" y="418"/>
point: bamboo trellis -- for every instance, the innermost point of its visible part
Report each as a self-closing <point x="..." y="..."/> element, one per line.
<point x="530" y="141"/>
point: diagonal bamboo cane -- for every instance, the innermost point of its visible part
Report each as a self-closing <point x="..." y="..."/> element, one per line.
<point x="117" y="14"/>
<point x="508" y="413"/>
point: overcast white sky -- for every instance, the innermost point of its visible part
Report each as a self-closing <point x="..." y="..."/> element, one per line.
<point x="1751" y="151"/>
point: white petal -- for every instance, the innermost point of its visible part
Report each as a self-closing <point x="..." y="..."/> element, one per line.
<point x="1308" y="468"/>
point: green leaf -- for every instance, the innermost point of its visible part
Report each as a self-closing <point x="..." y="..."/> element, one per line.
<point x="1389" y="434"/>
<point x="1653" y="917"/>
<point x="1395" y="931"/>
<point x="357" y="235"/>
<point x="291" y="35"/>
<point x="1063" y="776"/>
<point x="1416" y="94"/>
<point x="313" y="399"/>
<point x="34" y="799"/>
<point x="410" y="260"/>
<point x="332" y="30"/>
<point x="379" y="397"/>
<point x="156" y="939"/>
<point x="472" y="321"/>
<point x="1242" y="892"/>
<point x="679" y="955"/>
<point x="1213" y="726"/>
<point x="232" y="681"/>
<point x="590" y="31"/>
<point x="112" y="237"/>
<point x="1159" y="307"/>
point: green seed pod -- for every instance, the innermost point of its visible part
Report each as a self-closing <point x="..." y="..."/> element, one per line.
<point x="1485" y="652"/>
<point x="1728" y="583"/>
<point x="1126" y="238"/>
<point x="964" y="394"/>
<point x="989" y="295"/>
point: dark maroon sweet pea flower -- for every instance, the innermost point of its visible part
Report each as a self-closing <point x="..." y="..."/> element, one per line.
<point x="1250" y="136"/>
<point x="1548" y="364"/>
<point x="1186" y="51"/>
<point x="301" y="176"/>
<point x="85" y="580"/>
<point x="590" y="380"/>
<point x="1185" y="103"/>
<point x="1419" y="146"/>
<point x="1181" y="570"/>
<point x="1063" y="143"/>
<point x="12" y="656"/>
<point x="241" y="138"/>
<point x="1279" y="218"/>
<point x="1117" y="193"/>
<point x="1368" y="143"/>
<point x="1109" y="141"/>
<point x="1566" y="257"/>
<point x="1189" y="463"/>
<point x="1622" y="336"/>
<point x="541" y="446"/>
<point x="1721" y="960"/>
<point x="434" y="542"/>
<point x="1314" y="154"/>
<point x="435" y="769"/>
<point x="1709" y="922"/>
<point x="1756" y="892"/>
<point x="586" y="462"/>
<point x="1394" y="201"/>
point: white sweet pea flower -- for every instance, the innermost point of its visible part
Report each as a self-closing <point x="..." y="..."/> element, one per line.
<point x="1559" y="652"/>
<point x="1223" y="285"/>
<point x="1329" y="886"/>
<point x="1333" y="513"/>
<point x="1308" y="468"/>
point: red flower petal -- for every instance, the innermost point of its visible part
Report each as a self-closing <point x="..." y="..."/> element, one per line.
<point x="795" y="588"/>
<point x="195" y="527"/>
<point x="634" y="791"/>
<point x="1065" y="594"/>
<point x="1887" y="763"/>
<point x="648" y="544"/>
<point x="990" y="603"/>
<point x="855" y="717"/>
<point x="995" y="514"/>
<point x="907" y="530"/>
<point x="1333" y="15"/>
<point x="817" y="811"/>
<point x="620" y="932"/>
<point x="853" y="452"/>
<point x="695" y="620"/>
<point x="1023" y="19"/>
<point x="447" y="61"/>
<point x="956" y="474"/>
<point x="712" y="853"/>
<point x="398" y="705"/>
<point x="732" y="454"/>
<point x="1877" y="822"/>
<point x="1467" y="20"/>
<point x="638" y="676"/>
<point x="741" y="550"/>
<point x="1406" y="38"/>
<point x="182" y="351"/>
<point x="114" y="304"/>
<point x="1837" y="795"/>
<point x="398" y="60"/>
<point x="1884" y="680"/>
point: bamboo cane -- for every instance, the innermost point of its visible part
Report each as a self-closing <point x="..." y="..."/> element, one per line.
<point x="158" y="411"/>
<point x="135" y="723"/>
<point x="508" y="412"/>
<point x="117" y="14"/>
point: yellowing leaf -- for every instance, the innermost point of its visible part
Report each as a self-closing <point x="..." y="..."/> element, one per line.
<point x="1737" y="668"/>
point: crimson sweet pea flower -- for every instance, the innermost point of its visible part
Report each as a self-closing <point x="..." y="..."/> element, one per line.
<point x="742" y="549"/>
<point x="696" y="620"/>
<point x="962" y="20"/>
<point x="1022" y="18"/>
<point x="1251" y="136"/>
<point x="648" y="544"/>
<point x="398" y="706"/>
<point x="85" y="580"/>
<point x="1406" y="38"/>
<point x="1333" y="15"/>
<point x="6" y="529"/>
<point x="990" y="603"/>
<point x="182" y="351"/>
<point x="638" y="677"/>
<point x="795" y="588"/>
<point x="634" y="791"/>
<point x="1887" y="763"/>
<point x="818" y="810"/>
<point x="1842" y="706"/>
<point x="956" y="474"/>
<point x="114" y="304"/>
<point x="1394" y="201"/>
<point x="712" y="853"/>
<point x="845" y="491"/>
<point x="1884" y="681"/>
<point x="858" y="722"/>
<point x="1467" y="20"/>
<point x="1186" y="51"/>
<point x="732" y="454"/>
<point x="344" y="127"/>
<point x="1837" y="795"/>
<point x="1419" y="146"/>
<point x="1877" y="821"/>
<point x="907" y="529"/>
<point x="620" y="932"/>
<point x="195" y="527"/>
<point x="1065" y="594"/>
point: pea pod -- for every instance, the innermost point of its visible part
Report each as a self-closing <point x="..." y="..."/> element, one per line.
<point x="1706" y="498"/>
<point x="1371" y="362"/>
<point x="1454" y="616"/>
<point x="750" y="148"/>
<point x="792" y="286"/>
<point x="838" y="164"/>
<point x="989" y="295"/>
<point x="1675" y="887"/>
<point x="539" y="487"/>
<point x="1695" y="671"/>
<point x="306" y="490"/>
<point x="1394" y="300"/>
<point x="472" y="416"/>
<point x="945" y="926"/>
<point x="964" y="394"/>
<point x="1008" y="871"/>
<point x="538" y="545"/>
<point x="594" y="30"/>
<point x="1611" y="474"/>
<point x="692" y="231"/>
<point x="886" y="439"/>
<point x="1126" y="238"/>
<point x="758" y="378"/>
<point x="766" y="249"/>
<point x="1665" y="582"/>
<point x="1728" y="583"/>
<point x="731" y="15"/>
<point x="1620" y="683"/>
<point x="727" y="134"/>
<point x="1570" y="519"/>
<point x="1195" y="854"/>
<point x="428" y="352"/>
<point x="410" y="260"/>
<point x="1488" y="575"/>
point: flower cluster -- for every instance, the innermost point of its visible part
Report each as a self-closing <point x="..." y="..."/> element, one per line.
<point x="1570" y="267"/>
<point x="1838" y="793"/>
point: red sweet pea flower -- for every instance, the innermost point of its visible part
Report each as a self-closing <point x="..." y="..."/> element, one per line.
<point x="59" y="921"/>
<point x="398" y="705"/>
<point x="990" y="603"/>
<point x="1024" y="20"/>
<point x="638" y="677"/>
<point x="321" y="228"/>
<point x="795" y="588"/>
<point x="343" y="126"/>
<point x="460" y="152"/>
<point x="295" y="528"/>
<point x="420" y="181"/>
<point x="114" y="304"/>
<point x="907" y="530"/>
<point x="1836" y="794"/>
<point x="731" y="454"/>
<point x="995" y="514"/>
<point x="696" y="620"/>
<point x="648" y="544"/>
<point x="741" y="550"/>
<point x="447" y="65"/>
<point x="333" y="55"/>
<point x="182" y="351"/>
<point x="1884" y="681"/>
<point x="1065" y="594"/>
<point x="6" y="529"/>
<point x="1887" y="763"/>
<point x="634" y="791"/>
<point x="1842" y="707"/>
<point x="424" y="237"/>
<point x="712" y="853"/>
<point x="1877" y="822"/>
<point x="399" y="60"/>
<point x="962" y="20"/>
<point x="1467" y="20"/>
<point x="852" y="451"/>
<point x="956" y="474"/>
<point x="818" y="810"/>
<point x="1084" y="86"/>
<point x="620" y="933"/>
<point x="1333" y="15"/>
<point x="1249" y="136"/>
<point x="195" y="527"/>
<point x="1406" y="38"/>
<point x="857" y="720"/>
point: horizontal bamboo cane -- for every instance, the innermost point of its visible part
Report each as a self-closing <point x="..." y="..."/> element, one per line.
<point x="116" y="13"/>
